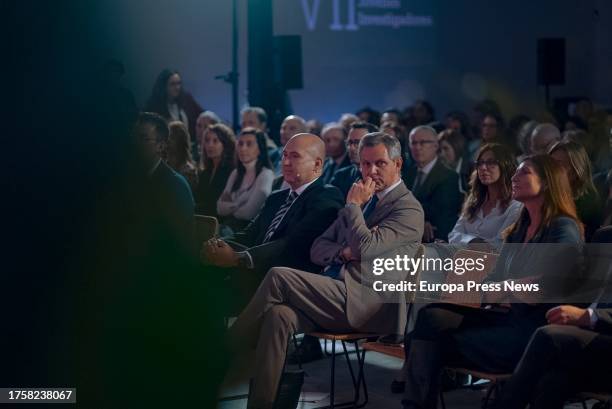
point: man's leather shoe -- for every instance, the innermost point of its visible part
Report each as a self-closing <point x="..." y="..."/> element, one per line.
<point x="308" y="351"/>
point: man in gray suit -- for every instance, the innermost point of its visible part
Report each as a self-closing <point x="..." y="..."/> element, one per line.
<point x="381" y="218"/>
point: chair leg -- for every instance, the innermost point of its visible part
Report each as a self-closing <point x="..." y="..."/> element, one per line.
<point x="296" y="346"/>
<point x="333" y="375"/>
<point x="361" y="377"/>
<point x="350" y="367"/>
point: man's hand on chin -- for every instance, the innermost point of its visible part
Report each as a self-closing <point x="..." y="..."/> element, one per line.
<point x="361" y="192"/>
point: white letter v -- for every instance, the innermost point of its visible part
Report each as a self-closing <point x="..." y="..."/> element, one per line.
<point x="311" y="18"/>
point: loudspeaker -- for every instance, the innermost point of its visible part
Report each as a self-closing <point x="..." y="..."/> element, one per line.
<point x="551" y="61"/>
<point x="288" y="58"/>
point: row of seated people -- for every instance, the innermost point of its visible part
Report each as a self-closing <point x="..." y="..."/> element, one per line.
<point x="237" y="195"/>
<point x="289" y="300"/>
<point x="381" y="217"/>
<point x="485" y="124"/>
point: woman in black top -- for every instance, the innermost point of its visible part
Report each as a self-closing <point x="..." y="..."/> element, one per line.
<point x="573" y="157"/>
<point x="218" y="153"/>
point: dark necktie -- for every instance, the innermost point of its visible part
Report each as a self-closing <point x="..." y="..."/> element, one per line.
<point x="418" y="181"/>
<point x="334" y="269"/>
<point x="278" y="217"/>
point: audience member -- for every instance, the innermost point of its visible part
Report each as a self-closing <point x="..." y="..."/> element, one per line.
<point x="381" y="217"/>
<point x="490" y="339"/>
<point x="489" y="208"/>
<point x="170" y="100"/>
<point x="452" y="154"/>
<point x="286" y="226"/>
<point x="543" y="137"/>
<point x="346" y="120"/>
<point x="290" y="126"/>
<point x="391" y="115"/>
<point x="314" y="127"/>
<point x="491" y="129"/>
<point x="218" y="160"/>
<point x="571" y="354"/>
<point x="573" y="158"/>
<point x="256" y="117"/>
<point x="433" y="184"/>
<point x="369" y="115"/>
<point x="175" y="205"/>
<point x="249" y="184"/>
<point x="523" y="137"/>
<point x="344" y="178"/>
<point x="334" y="137"/>
<point x="575" y="122"/>
<point x="585" y="139"/>
<point x="459" y="121"/>
<point x="397" y="130"/>
<point x="205" y="120"/>
<point x="515" y="124"/>
<point x="178" y="154"/>
<point x="423" y="112"/>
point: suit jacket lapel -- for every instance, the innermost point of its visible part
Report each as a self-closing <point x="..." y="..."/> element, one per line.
<point x="384" y="205"/>
<point x="296" y="205"/>
<point x="431" y="179"/>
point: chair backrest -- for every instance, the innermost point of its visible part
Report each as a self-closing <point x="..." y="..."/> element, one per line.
<point x="472" y="298"/>
<point x="206" y="227"/>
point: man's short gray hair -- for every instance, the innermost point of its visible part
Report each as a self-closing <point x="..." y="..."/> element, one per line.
<point x="394" y="149"/>
<point x="210" y="115"/>
<point x="425" y="128"/>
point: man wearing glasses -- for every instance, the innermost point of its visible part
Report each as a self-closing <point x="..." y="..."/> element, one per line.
<point x="345" y="177"/>
<point x="433" y="184"/>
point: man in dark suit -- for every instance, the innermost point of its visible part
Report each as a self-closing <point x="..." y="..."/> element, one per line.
<point x="334" y="136"/>
<point x="574" y="352"/>
<point x="290" y="220"/>
<point x="381" y="219"/>
<point x="345" y="177"/>
<point x="433" y="184"/>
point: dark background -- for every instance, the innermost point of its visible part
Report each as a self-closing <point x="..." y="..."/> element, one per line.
<point x="71" y="254"/>
<point x="473" y="50"/>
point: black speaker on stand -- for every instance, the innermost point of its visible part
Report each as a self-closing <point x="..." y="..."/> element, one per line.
<point x="274" y="65"/>
<point x="551" y="63"/>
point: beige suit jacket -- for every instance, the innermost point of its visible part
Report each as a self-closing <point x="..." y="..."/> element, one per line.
<point x="394" y="227"/>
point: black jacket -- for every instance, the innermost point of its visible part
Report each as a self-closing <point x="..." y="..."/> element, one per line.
<point x="345" y="177"/>
<point x="309" y="216"/>
<point x="439" y="195"/>
<point x="210" y="188"/>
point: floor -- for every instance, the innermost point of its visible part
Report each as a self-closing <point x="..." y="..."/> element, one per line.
<point x="379" y="371"/>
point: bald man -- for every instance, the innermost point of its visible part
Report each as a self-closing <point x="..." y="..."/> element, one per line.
<point x="285" y="228"/>
<point x="381" y="219"/>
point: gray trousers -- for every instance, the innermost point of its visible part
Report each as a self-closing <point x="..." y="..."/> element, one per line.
<point x="288" y="301"/>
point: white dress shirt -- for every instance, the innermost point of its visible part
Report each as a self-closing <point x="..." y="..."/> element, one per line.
<point x="488" y="228"/>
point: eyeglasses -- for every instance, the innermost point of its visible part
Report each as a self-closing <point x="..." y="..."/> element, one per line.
<point x="488" y="163"/>
<point x="422" y="143"/>
<point x="353" y="142"/>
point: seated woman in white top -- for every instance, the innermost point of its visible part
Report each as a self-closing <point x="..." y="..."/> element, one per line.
<point x="249" y="184"/>
<point x="489" y="208"/>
